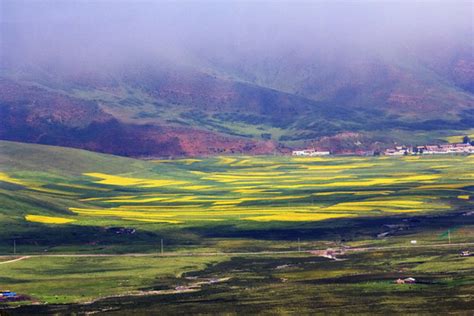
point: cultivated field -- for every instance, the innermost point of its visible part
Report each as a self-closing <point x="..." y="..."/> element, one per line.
<point x="239" y="190"/>
<point x="63" y="201"/>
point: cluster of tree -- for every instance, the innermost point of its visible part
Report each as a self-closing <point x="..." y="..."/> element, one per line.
<point x="467" y="140"/>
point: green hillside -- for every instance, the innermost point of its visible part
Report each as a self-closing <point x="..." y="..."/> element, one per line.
<point x="161" y="107"/>
<point x="50" y="189"/>
<point x="232" y="227"/>
<point x="61" y="161"/>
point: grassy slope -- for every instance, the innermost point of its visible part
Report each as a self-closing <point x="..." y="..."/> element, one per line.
<point x="459" y="137"/>
<point x="133" y="105"/>
<point x="64" y="280"/>
<point x="269" y="285"/>
<point x="232" y="195"/>
<point x="311" y="281"/>
<point x="61" y="161"/>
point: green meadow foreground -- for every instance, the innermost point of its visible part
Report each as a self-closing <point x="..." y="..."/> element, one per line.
<point x="238" y="233"/>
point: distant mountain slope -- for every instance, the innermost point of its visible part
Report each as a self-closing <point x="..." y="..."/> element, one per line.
<point x="413" y="88"/>
<point x="168" y="109"/>
<point x="37" y="115"/>
<point x="197" y="78"/>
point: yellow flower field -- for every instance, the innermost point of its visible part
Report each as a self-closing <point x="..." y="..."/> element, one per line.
<point x="127" y="181"/>
<point x="264" y="189"/>
<point x="48" y="219"/>
<point x="296" y="217"/>
<point x="6" y="178"/>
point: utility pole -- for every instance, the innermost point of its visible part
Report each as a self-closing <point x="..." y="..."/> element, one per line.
<point x="161" y="246"/>
<point x="14" y="246"/>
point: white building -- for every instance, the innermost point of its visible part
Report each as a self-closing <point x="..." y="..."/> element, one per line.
<point x="310" y="153"/>
<point x="443" y="149"/>
<point x="395" y="152"/>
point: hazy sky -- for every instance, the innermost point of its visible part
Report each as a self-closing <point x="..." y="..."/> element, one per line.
<point x="88" y="34"/>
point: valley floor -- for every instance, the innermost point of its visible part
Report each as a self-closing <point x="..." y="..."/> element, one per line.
<point x="90" y="233"/>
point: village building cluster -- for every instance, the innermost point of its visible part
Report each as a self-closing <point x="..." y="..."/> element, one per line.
<point x="466" y="147"/>
<point x="442" y="149"/>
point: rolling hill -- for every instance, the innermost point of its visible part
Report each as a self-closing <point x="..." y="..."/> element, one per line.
<point x="190" y="200"/>
<point x="171" y="109"/>
<point x="239" y="225"/>
<point x="200" y="79"/>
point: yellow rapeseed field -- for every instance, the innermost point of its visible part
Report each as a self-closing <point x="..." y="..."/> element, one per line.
<point x="264" y="189"/>
<point x="126" y="181"/>
<point x="48" y="219"/>
<point x="340" y="167"/>
<point x="6" y="178"/>
<point x="398" y="205"/>
<point x="297" y="217"/>
<point x="152" y="220"/>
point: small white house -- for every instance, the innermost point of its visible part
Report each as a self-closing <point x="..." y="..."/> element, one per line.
<point x="310" y="153"/>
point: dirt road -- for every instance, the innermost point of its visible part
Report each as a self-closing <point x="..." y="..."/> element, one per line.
<point x="232" y="254"/>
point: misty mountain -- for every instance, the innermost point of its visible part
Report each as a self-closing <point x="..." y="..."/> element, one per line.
<point x="153" y="79"/>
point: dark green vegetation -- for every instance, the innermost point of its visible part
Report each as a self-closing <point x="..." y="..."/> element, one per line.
<point x="362" y="282"/>
<point x="217" y="215"/>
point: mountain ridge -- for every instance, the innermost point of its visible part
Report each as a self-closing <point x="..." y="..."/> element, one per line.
<point x="177" y="110"/>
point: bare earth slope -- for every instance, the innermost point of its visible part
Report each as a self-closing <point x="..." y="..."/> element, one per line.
<point x="170" y="110"/>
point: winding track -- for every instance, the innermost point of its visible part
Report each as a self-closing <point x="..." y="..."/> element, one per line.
<point x="13" y="260"/>
<point x="208" y="254"/>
